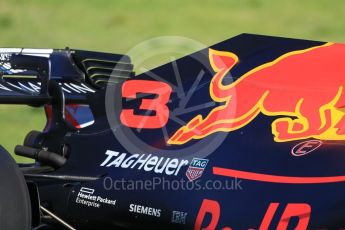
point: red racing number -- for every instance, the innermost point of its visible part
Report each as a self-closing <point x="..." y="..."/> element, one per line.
<point x="131" y="88"/>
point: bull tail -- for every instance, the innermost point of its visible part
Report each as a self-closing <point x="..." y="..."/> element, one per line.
<point x="242" y="103"/>
<point x="221" y="62"/>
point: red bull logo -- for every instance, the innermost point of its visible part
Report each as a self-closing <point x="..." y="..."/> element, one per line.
<point x="305" y="88"/>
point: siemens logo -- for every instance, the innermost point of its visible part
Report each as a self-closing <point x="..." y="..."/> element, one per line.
<point x="145" y="210"/>
<point x="146" y="162"/>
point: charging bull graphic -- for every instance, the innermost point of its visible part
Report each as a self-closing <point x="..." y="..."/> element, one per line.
<point x="305" y="88"/>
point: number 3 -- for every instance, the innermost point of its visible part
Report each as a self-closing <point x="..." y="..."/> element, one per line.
<point x="131" y="88"/>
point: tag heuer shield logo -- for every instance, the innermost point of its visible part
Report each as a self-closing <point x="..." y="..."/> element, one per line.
<point x="196" y="168"/>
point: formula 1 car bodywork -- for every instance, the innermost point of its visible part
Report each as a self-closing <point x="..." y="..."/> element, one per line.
<point x="247" y="134"/>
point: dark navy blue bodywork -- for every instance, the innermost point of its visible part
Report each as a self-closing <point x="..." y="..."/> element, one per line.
<point x="242" y="205"/>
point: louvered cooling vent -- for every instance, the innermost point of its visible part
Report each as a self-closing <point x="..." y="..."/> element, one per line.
<point x="100" y="68"/>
